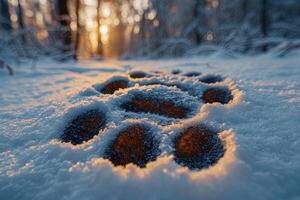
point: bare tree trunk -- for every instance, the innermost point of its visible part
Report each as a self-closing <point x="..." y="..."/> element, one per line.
<point x="52" y="10"/>
<point x="65" y="20"/>
<point x="143" y="27"/>
<point x="197" y="15"/>
<point x="5" y="21"/>
<point x="245" y="8"/>
<point x="244" y="21"/>
<point x="21" y="26"/>
<point x="99" y="47"/>
<point x="20" y="16"/>
<point x="21" y="21"/>
<point x="77" y="6"/>
<point x="264" y="21"/>
<point x="3" y="65"/>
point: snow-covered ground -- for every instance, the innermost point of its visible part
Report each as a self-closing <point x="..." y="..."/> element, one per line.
<point x="260" y="128"/>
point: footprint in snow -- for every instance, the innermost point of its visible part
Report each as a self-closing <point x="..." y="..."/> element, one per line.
<point x="195" y="147"/>
<point x="135" y="144"/>
<point x="84" y="127"/>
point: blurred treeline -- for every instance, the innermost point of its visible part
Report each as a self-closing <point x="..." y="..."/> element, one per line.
<point x="73" y="29"/>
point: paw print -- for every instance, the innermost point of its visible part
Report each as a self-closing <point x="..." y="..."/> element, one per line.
<point x="140" y="104"/>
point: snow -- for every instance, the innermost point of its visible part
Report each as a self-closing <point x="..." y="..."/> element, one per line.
<point x="259" y="129"/>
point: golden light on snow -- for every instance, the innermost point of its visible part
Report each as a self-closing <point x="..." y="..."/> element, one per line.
<point x="223" y="167"/>
<point x="166" y="166"/>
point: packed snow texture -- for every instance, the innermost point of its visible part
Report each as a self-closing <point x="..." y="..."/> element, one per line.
<point x="259" y="128"/>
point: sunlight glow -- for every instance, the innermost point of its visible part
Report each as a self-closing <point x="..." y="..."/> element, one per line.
<point x="136" y="29"/>
<point x="209" y="36"/>
<point x="90" y="2"/>
<point x="90" y="25"/>
<point x="105" y="10"/>
<point x="111" y="22"/>
<point x="104" y="29"/>
<point x="93" y="37"/>
<point x="156" y="23"/>
<point x="151" y="15"/>
<point x="165" y="166"/>
<point x="213" y="3"/>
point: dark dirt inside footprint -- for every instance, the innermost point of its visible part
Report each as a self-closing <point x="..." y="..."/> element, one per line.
<point x="198" y="147"/>
<point x="211" y="79"/>
<point x="192" y="74"/>
<point x="153" y="105"/>
<point x="176" y="71"/>
<point x="111" y="87"/>
<point x="134" y="145"/>
<point x="217" y="95"/>
<point x="138" y="74"/>
<point x="84" y="127"/>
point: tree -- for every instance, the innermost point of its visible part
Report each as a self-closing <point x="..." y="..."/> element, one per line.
<point x="65" y="20"/>
<point x="20" y="20"/>
<point x="198" y="16"/>
<point x="264" y="21"/>
<point x="99" y="47"/>
<point x="77" y="8"/>
<point x="245" y="6"/>
<point x="5" y="21"/>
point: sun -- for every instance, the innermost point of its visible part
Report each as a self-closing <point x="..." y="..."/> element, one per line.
<point x="104" y="29"/>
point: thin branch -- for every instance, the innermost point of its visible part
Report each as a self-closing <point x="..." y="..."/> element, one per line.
<point x="3" y="65"/>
